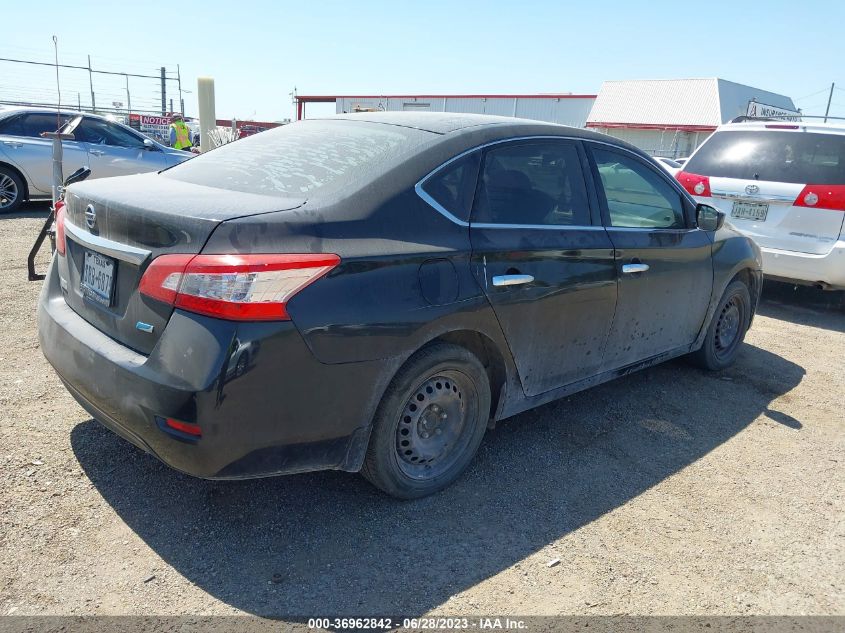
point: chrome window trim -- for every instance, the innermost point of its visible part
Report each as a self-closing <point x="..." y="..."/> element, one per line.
<point x="554" y="227"/>
<point x="545" y="227"/>
<point x="102" y="245"/>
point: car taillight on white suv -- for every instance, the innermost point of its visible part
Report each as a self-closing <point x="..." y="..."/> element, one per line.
<point x="234" y="287"/>
<point x="695" y="184"/>
<point x="822" y="197"/>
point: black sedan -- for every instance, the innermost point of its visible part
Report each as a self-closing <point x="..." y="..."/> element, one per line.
<point x="371" y="292"/>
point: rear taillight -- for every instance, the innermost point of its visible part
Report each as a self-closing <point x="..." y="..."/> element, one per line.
<point x="822" y="197"/>
<point x="235" y="287"/>
<point x="60" y="227"/>
<point x="695" y="184"/>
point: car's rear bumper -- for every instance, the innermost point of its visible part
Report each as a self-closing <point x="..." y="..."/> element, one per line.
<point x="827" y="270"/>
<point x="285" y="413"/>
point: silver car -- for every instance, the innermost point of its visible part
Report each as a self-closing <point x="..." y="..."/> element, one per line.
<point x="106" y="147"/>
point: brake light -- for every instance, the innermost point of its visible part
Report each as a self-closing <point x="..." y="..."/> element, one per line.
<point x="234" y="287"/>
<point x="695" y="184"/>
<point x="822" y="197"/>
<point x="781" y="126"/>
<point x="60" y="227"/>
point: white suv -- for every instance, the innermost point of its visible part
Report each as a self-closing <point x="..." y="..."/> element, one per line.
<point x="783" y="185"/>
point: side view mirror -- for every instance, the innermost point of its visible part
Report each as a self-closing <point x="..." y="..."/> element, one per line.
<point x="149" y="145"/>
<point x="709" y="218"/>
<point x="78" y="176"/>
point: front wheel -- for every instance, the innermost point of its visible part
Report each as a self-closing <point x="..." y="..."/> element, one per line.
<point x="11" y="190"/>
<point x="429" y="423"/>
<point x="727" y="329"/>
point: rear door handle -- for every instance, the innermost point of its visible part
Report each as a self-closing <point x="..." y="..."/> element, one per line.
<point x="13" y="144"/>
<point x="96" y="152"/>
<point x="512" y="280"/>
<point x="634" y="268"/>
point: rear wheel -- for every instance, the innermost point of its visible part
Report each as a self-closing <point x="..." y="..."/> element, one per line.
<point x="11" y="190"/>
<point x="429" y="423"/>
<point x="727" y="329"/>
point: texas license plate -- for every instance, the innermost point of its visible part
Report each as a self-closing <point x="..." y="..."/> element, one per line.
<point x="98" y="278"/>
<point x="750" y="211"/>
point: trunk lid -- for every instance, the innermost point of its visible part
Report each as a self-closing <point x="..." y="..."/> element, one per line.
<point x="758" y="170"/>
<point x="119" y="225"/>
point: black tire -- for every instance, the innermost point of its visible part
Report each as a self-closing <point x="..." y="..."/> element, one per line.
<point x="429" y="423"/>
<point x="727" y="329"/>
<point x="240" y="367"/>
<point x="12" y="190"/>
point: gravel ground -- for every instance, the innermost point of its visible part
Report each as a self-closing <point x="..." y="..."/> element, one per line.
<point x="672" y="491"/>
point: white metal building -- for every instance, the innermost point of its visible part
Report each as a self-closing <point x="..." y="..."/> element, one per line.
<point x="567" y="109"/>
<point x="664" y="117"/>
<point x="671" y="117"/>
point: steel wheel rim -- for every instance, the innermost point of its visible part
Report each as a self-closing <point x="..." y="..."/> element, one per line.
<point x="434" y="425"/>
<point x="728" y="327"/>
<point x="8" y="191"/>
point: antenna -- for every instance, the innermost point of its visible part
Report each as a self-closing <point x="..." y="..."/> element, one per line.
<point x="58" y="86"/>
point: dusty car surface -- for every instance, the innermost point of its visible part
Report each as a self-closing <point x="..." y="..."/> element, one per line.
<point x="399" y="280"/>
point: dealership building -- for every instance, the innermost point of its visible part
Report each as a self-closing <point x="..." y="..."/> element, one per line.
<point x="664" y="117"/>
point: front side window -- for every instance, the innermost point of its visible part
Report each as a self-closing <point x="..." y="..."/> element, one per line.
<point x="536" y="183"/>
<point x="637" y="196"/>
<point x="100" y="132"/>
<point x="452" y="186"/>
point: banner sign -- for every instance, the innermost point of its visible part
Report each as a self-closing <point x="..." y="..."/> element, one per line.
<point x="157" y="127"/>
<point x="763" y="110"/>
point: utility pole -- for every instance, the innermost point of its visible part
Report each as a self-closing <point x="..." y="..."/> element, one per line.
<point x="179" y="84"/>
<point x="829" y="99"/>
<point x="128" y="97"/>
<point x="163" y="92"/>
<point x="91" y="83"/>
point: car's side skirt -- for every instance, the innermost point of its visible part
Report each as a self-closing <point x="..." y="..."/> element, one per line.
<point x="517" y="405"/>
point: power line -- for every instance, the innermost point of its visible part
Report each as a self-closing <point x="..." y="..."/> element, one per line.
<point x="814" y="94"/>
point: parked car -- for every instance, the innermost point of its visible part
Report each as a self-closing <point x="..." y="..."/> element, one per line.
<point x="249" y="130"/>
<point x="410" y="278"/>
<point x="671" y="166"/>
<point x="782" y="184"/>
<point x="107" y="147"/>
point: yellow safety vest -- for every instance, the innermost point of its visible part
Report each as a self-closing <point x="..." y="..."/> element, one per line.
<point x="183" y="135"/>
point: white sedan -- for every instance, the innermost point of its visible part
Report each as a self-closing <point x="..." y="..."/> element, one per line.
<point x="668" y="164"/>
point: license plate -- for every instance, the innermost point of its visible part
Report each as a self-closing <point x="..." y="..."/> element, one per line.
<point x="98" y="278"/>
<point x="750" y="211"/>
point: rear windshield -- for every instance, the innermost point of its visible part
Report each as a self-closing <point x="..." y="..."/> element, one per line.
<point x="307" y="157"/>
<point x="794" y="157"/>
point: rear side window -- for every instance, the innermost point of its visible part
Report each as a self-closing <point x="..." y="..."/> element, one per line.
<point x="538" y="183"/>
<point x="452" y="187"/>
<point x="779" y="156"/>
<point x="636" y="195"/>
<point x="303" y="158"/>
<point x="32" y="125"/>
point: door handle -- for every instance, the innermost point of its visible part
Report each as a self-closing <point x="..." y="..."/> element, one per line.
<point x="96" y="152"/>
<point x="634" y="268"/>
<point x="512" y="280"/>
<point x="13" y="144"/>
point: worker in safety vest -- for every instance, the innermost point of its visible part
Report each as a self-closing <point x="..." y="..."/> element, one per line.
<point x="180" y="134"/>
